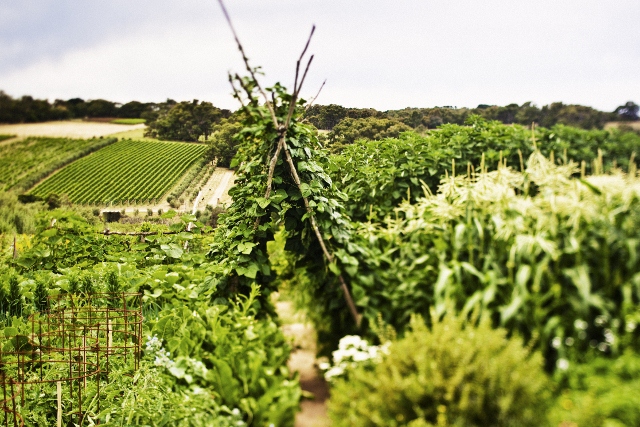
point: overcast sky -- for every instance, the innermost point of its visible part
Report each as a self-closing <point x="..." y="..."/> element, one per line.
<point x="373" y="53"/>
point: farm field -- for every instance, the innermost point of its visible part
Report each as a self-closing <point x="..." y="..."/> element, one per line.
<point x="519" y="245"/>
<point x="24" y="162"/>
<point x="66" y="129"/>
<point x="127" y="171"/>
<point x="632" y="125"/>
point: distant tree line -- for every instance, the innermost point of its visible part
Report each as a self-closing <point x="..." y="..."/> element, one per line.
<point x="329" y="116"/>
<point x="29" y="110"/>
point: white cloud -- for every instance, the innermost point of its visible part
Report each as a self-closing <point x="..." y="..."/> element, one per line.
<point x="373" y="53"/>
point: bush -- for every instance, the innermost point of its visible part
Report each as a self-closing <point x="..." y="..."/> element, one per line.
<point x="453" y="375"/>
<point x="602" y="393"/>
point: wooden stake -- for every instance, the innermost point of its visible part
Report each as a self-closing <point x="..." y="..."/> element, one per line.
<point x="59" y="397"/>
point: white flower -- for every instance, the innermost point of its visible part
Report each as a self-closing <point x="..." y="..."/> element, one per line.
<point x="556" y="342"/>
<point x="350" y="341"/>
<point x="361" y="356"/>
<point x="630" y="326"/>
<point x="336" y="371"/>
<point x="569" y="341"/>
<point x="562" y="364"/>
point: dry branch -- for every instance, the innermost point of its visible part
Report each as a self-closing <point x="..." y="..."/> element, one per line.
<point x="282" y="146"/>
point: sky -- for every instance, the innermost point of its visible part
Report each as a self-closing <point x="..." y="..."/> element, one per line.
<point x="372" y="53"/>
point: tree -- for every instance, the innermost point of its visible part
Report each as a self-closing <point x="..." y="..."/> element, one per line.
<point x="628" y="111"/>
<point x="186" y="121"/>
<point x="101" y="108"/>
<point x="224" y="141"/>
<point x="349" y="130"/>
<point x="133" y="109"/>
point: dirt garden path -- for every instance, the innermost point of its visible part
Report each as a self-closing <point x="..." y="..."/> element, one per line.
<point x="216" y="190"/>
<point x="313" y="411"/>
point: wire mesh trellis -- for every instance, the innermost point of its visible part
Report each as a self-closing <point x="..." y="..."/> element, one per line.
<point x="72" y="343"/>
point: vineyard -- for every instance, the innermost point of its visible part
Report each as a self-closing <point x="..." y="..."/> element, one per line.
<point x="25" y="162"/>
<point x="125" y="172"/>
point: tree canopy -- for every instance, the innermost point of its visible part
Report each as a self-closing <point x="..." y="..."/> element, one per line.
<point x="186" y="121"/>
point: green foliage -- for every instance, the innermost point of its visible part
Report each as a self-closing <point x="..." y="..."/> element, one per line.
<point x="74" y="284"/>
<point x="16" y="304"/>
<point x="541" y="253"/>
<point x="224" y="142"/>
<point x="65" y="239"/>
<point x="16" y="217"/>
<point x="3" y="137"/>
<point x="451" y="375"/>
<point x="525" y="114"/>
<point x="244" y="359"/>
<point x="328" y="116"/>
<point x="87" y="286"/>
<point x="191" y="182"/>
<point x="602" y="393"/>
<point x="224" y="352"/>
<point x="128" y="121"/>
<point x="25" y="162"/>
<point x="127" y="171"/>
<point x="371" y="128"/>
<point x="252" y="219"/>
<point x="185" y="121"/>
<point x="41" y="295"/>
<point x="54" y="201"/>
<point x="378" y="175"/>
<point x="26" y="110"/>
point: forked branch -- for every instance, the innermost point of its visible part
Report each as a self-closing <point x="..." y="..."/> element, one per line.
<point x="282" y="146"/>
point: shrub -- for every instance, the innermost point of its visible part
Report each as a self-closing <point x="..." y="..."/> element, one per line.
<point x="453" y="375"/>
<point x="149" y="212"/>
<point x="601" y="393"/>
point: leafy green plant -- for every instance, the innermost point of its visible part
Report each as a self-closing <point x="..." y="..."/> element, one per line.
<point x="124" y="172"/>
<point x="601" y="393"/>
<point x="25" y="162"/>
<point x="41" y="294"/>
<point x="15" y="299"/>
<point x="452" y="374"/>
<point x="378" y="175"/>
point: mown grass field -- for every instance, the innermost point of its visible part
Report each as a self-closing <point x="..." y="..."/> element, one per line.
<point x="24" y="162"/>
<point x="125" y="172"/>
<point x="65" y="129"/>
<point x="128" y="121"/>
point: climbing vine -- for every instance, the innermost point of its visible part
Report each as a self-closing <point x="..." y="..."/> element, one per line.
<point x="281" y="182"/>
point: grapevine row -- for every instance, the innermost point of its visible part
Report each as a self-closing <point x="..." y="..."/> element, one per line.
<point x="126" y="171"/>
